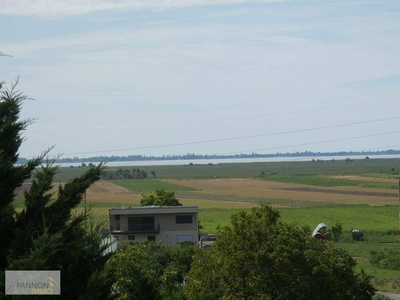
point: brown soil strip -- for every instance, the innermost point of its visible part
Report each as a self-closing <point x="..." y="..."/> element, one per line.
<point x="343" y="192"/>
<point x="107" y="187"/>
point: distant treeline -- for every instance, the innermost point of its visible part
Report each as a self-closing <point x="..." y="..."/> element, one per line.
<point x="199" y="156"/>
<point x="124" y="174"/>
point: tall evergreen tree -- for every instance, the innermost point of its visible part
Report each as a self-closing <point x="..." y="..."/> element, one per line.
<point x="46" y="234"/>
<point x="11" y="176"/>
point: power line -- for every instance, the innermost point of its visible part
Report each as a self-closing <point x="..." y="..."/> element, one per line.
<point x="314" y="143"/>
<point x="237" y="138"/>
<point x="80" y="132"/>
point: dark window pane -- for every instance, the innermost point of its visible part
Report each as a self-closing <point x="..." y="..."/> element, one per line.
<point x="185" y="219"/>
<point x="141" y="224"/>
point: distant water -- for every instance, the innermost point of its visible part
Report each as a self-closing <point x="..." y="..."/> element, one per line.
<point x="225" y="161"/>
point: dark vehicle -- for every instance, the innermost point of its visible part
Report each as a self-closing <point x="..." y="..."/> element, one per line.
<point x="357" y="235"/>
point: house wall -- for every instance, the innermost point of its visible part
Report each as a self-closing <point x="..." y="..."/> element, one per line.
<point x="170" y="232"/>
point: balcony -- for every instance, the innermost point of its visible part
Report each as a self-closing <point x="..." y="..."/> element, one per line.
<point x="137" y="228"/>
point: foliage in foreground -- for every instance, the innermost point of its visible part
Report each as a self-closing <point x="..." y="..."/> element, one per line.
<point x="259" y="257"/>
<point x="151" y="270"/>
<point x="45" y="235"/>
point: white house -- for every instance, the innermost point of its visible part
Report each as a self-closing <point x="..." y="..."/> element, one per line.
<point x="168" y="224"/>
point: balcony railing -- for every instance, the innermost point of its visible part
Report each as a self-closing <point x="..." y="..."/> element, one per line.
<point x="137" y="228"/>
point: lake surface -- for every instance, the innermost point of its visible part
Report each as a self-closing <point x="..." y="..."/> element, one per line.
<point x="226" y="160"/>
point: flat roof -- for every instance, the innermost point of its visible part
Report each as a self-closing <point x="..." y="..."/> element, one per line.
<point x="152" y="210"/>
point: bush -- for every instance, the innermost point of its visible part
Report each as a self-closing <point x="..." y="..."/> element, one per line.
<point x="336" y="231"/>
<point x="386" y="259"/>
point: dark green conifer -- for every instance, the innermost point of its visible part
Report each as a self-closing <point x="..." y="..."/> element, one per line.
<point x="46" y="234"/>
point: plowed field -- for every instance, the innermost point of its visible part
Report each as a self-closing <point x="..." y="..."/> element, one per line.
<point x="242" y="193"/>
<point x="290" y="191"/>
<point x="104" y="191"/>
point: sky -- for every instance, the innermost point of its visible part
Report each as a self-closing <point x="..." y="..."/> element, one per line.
<point x="218" y="77"/>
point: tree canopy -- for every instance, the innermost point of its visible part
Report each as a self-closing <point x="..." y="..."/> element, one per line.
<point x="151" y="271"/>
<point x="160" y="197"/>
<point x="259" y="257"/>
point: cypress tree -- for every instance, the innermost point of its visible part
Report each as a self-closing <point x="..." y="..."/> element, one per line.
<point x="46" y="234"/>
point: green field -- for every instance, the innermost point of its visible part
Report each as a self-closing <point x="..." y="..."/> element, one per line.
<point x="377" y="222"/>
<point x="315" y="180"/>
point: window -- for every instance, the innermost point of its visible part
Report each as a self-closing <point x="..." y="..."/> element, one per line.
<point x="151" y="238"/>
<point x="184" y="219"/>
<point x="141" y="224"/>
<point x="131" y="237"/>
<point x="116" y="217"/>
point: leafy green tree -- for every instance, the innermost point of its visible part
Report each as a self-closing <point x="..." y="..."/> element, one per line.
<point x="46" y="234"/>
<point x="151" y="271"/>
<point x="259" y="257"/>
<point x="160" y="197"/>
<point x="336" y="231"/>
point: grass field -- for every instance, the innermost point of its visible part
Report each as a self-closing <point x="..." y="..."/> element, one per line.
<point x="326" y="181"/>
<point x="359" y="194"/>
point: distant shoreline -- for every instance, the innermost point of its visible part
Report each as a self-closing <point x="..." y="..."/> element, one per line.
<point x="194" y="157"/>
<point x="195" y="162"/>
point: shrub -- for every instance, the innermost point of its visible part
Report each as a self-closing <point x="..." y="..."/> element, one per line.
<point x="336" y="231"/>
<point x="386" y="259"/>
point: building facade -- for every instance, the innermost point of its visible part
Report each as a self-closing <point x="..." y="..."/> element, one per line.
<point x="167" y="224"/>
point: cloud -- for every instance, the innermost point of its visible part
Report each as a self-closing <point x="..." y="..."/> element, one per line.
<point x="50" y="8"/>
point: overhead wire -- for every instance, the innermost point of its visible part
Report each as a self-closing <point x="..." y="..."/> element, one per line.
<point x="313" y="143"/>
<point x="165" y="125"/>
<point x="236" y="138"/>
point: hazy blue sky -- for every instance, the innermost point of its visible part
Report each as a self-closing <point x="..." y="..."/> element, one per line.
<point x="206" y="77"/>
